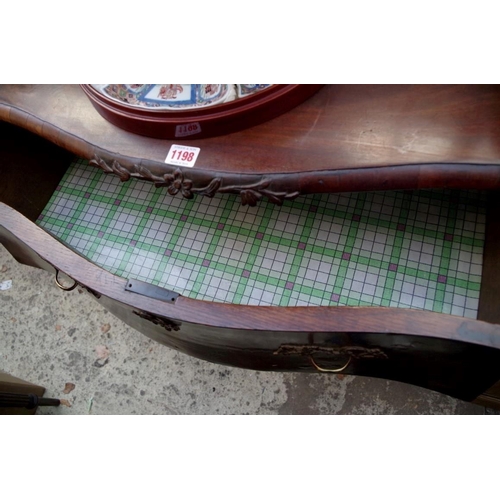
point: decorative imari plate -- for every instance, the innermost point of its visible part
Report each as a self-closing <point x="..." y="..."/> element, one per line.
<point x="177" y="96"/>
<point x="170" y="111"/>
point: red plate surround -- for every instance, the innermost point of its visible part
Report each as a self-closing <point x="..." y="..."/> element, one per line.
<point x="202" y="122"/>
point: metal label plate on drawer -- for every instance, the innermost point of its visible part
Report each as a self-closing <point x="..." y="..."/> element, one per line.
<point x="151" y="291"/>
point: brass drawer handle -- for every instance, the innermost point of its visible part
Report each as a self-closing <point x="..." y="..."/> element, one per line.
<point x="62" y="287"/>
<point x="329" y="370"/>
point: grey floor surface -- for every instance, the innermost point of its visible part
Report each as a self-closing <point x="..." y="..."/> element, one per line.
<point x="54" y="338"/>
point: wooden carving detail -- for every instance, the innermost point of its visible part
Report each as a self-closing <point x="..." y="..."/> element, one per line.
<point x="176" y="182"/>
<point x="114" y="168"/>
<point x="166" y="323"/>
<point x="250" y="195"/>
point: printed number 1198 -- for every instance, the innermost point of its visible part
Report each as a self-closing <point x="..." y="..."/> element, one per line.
<point x="182" y="155"/>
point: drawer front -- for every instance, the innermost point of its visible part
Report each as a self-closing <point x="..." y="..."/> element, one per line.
<point x="453" y="355"/>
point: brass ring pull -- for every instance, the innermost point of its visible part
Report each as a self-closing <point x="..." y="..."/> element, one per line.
<point x="62" y="287"/>
<point x="329" y="370"/>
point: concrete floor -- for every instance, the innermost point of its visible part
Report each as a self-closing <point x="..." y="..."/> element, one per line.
<point x="52" y="338"/>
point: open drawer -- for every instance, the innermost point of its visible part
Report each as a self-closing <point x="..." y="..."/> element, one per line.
<point x="385" y="284"/>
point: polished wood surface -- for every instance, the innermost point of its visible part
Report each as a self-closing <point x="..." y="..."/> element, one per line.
<point x="345" y="138"/>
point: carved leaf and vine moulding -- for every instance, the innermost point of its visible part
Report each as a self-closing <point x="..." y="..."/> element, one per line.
<point x="177" y="182"/>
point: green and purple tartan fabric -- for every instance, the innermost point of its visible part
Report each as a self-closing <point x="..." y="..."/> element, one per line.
<point x="420" y="249"/>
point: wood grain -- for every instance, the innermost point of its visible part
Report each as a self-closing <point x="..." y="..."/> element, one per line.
<point x="345" y="138"/>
